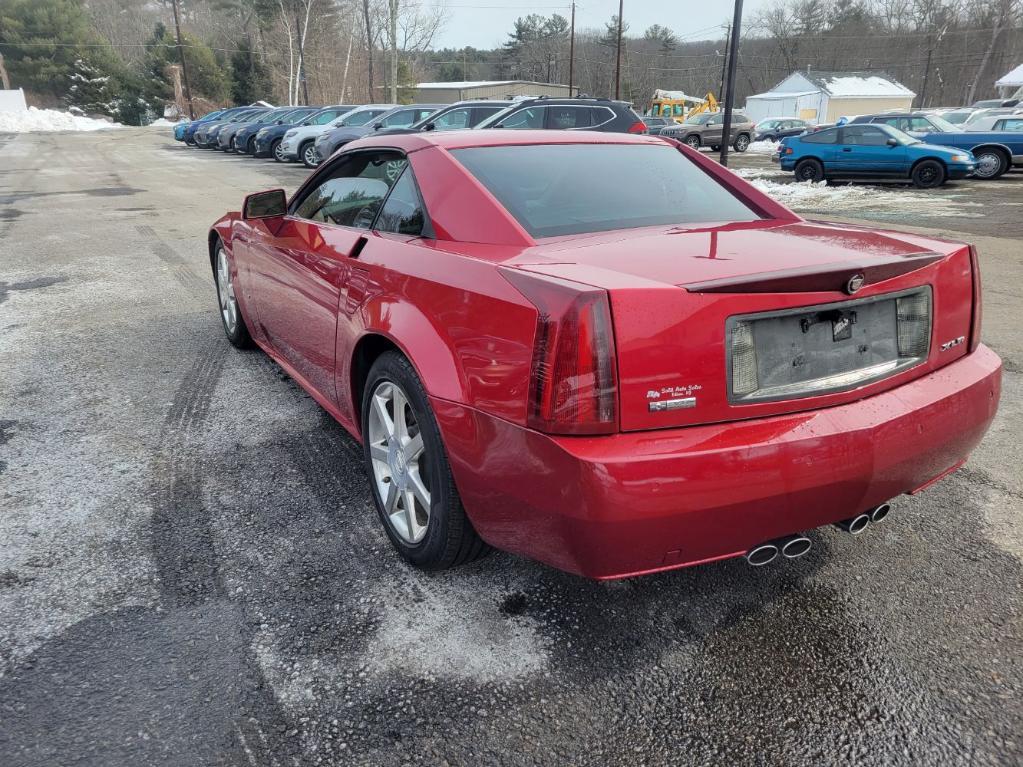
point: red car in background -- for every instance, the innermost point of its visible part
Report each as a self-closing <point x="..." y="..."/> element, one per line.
<point x="606" y="352"/>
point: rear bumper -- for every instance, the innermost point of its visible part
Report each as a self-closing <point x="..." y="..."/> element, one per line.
<point x="632" y="503"/>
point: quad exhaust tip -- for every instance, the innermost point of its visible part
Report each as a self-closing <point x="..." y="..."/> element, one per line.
<point x="795" y="546"/>
<point x="761" y="555"/>
<point x="878" y="513"/>
<point x="855" y="525"/>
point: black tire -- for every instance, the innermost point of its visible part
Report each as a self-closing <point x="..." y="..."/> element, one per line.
<point x="306" y="154"/>
<point x="275" y="151"/>
<point x="770" y="138"/>
<point x="715" y="147"/>
<point x="741" y="143"/>
<point x="450" y="539"/>
<point x="809" y="170"/>
<point x="693" y="142"/>
<point x="928" y="174"/>
<point x="250" y="146"/>
<point x="238" y="335"/>
<point x="991" y="163"/>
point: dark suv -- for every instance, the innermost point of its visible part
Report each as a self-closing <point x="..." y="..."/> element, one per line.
<point x="457" y="116"/>
<point x="916" y="123"/>
<point x="542" y="113"/>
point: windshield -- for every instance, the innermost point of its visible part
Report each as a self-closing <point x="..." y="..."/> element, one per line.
<point x="956" y="118"/>
<point x="698" y="119"/>
<point x="943" y="125"/>
<point x="638" y="185"/>
<point x="904" y="138"/>
<point x="354" y="119"/>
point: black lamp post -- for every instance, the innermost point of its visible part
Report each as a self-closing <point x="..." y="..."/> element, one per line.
<point x="733" y="49"/>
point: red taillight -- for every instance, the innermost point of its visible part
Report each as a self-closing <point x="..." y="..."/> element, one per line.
<point x="978" y="301"/>
<point x="638" y="127"/>
<point x="573" y="382"/>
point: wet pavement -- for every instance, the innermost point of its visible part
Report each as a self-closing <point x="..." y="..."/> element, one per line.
<point x="191" y="571"/>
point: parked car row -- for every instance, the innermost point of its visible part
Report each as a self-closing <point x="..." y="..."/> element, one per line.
<point x="312" y="134"/>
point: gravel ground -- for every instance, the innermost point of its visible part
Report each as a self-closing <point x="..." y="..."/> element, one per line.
<point x="191" y="572"/>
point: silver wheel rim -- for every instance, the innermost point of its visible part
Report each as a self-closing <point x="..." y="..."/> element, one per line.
<point x="742" y="143"/>
<point x="398" y="456"/>
<point x="225" y="292"/>
<point x="310" y="155"/>
<point x="279" y="151"/>
<point x="988" y="165"/>
<point x="693" y="143"/>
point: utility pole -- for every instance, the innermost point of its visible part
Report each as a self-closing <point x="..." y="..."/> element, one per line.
<point x="571" y="52"/>
<point x="301" y="56"/>
<point x="724" y="60"/>
<point x="394" y="50"/>
<point x="181" y="57"/>
<point x="618" y="52"/>
<point x="465" y="71"/>
<point x="733" y="49"/>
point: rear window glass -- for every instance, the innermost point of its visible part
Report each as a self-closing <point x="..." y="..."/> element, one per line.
<point x="563" y="189"/>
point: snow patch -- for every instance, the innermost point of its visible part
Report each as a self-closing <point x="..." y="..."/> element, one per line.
<point x="896" y="200"/>
<point x="872" y="85"/>
<point x="163" y="122"/>
<point x="47" y="120"/>
<point x="763" y="147"/>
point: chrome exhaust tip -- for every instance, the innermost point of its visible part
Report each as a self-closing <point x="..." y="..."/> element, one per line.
<point x="795" y="546"/>
<point x="854" y="525"/>
<point x="878" y="513"/>
<point x="762" y="555"/>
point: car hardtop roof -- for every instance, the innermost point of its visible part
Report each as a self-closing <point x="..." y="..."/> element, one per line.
<point x="468" y="139"/>
<point x="569" y="100"/>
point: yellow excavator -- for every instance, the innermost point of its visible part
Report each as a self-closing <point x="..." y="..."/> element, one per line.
<point x="678" y="106"/>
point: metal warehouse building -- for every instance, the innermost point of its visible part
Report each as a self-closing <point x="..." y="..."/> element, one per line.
<point x="448" y="93"/>
<point x="823" y="97"/>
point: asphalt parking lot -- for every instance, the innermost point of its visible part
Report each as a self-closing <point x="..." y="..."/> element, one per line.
<point x="191" y="572"/>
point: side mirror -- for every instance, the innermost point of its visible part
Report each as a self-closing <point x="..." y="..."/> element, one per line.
<point x="271" y="204"/>
<point x="712" y="122"/>
<point x="892" y="142"/>
<point x="429" y="126"/>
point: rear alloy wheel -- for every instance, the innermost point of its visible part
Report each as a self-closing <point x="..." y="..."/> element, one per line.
<point x="308" y="154"/>
<point x="809" y="170"/>
<point x="230" y="313"/>
<point x="741" y="143"/>
<point x="928" y="174"/>
<point x="990" y="164"/>
<point x="277" y="151"/>
<point x="411" y="480"/>
<point x="693" y="142"/>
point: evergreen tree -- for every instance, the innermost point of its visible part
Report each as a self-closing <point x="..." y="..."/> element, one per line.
<point x="250" y="79"/>
<point x="90" y="90"/>
<point x="207" y="77"/>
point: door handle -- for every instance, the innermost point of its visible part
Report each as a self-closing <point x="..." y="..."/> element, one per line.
<point x="847" y="149"/>
<point x="357" y="247"/>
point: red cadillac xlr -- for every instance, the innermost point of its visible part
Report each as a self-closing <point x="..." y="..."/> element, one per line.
<point x="606" y="352"/>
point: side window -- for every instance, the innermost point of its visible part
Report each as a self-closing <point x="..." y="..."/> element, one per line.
<point x="351" y="192"/>
<point x="921" y="124"/>
<point x="821" y="137"/>
<point x="1015" y="124"/>
<point x="326" y="117"/>
<point x="530" y="118"/>
<point x="479" y="114"/>
<point x="403" y="211"/>
<point x="864" y="135"/>
<point x="565" y="117"/>
<point x="400" y="119"/>
<point x="453" y="120"/>
<point x="601" y="115"/>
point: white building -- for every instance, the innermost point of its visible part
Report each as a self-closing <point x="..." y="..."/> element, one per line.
<point x="823" y="97"/>
<point x="1013" y="81"/>
<point x="448" y="93"/>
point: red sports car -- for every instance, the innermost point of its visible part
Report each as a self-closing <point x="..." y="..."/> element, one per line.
<point x="604" y="351"/>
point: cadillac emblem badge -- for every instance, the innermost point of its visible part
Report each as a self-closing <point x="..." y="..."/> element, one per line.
<point x="855" y="283"/>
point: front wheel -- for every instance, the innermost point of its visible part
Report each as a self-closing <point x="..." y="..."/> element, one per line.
<point x="693" y="142"/>
<point x="230" y="312"/>
<point x="928" y="174"/>
<point x="308" y="154"/>
<point x="990" y="164"/>
<point x="809" y="170"/>
<point x="741" y="143"/>
<point x="277" y="151"/>
<point x="409" y="473"/>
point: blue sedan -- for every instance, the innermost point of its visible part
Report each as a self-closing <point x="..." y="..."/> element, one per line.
<point x="872" y="152"/>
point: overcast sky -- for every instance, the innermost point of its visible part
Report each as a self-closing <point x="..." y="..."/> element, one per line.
<point x="486" y="23"/>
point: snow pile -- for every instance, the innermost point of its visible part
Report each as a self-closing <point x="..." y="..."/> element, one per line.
<point x="163" y="122"/>
<point x="850" y="199"/>
<point x="763" y="147"/>
<point x="868" y="85"/>
<point x="38" y="120"/>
